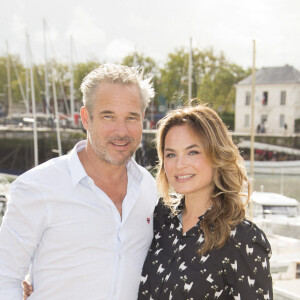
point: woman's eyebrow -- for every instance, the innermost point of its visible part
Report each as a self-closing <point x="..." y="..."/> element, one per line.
<point x="187" y="148"/>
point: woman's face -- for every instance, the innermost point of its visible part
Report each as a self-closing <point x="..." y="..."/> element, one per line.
<point x="186" y="167"/>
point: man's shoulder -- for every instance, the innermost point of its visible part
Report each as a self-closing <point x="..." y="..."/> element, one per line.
<point x="146" y="175"/>
<point x="45" y="170"/>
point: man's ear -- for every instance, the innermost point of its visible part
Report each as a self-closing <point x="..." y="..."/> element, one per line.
<point x="85" y="117"/>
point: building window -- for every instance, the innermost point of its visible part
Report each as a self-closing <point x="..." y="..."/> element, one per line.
<point x="265" y="98"/>
<point x="247" y="121"/>
<point x="298" y="270"/>
<point x="264" y="118"/>
<point x="262" y="127"/>
<point x="282" y="97"/>
<point x="281" y="121"/>
<point x="248" y="98"/>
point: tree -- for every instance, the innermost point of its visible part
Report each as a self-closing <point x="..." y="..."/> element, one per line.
<point x="173" y="78"/>
<point x="138" y="59"/>
<point x="213" y="78"/>
<point x="148" y="65"/>
<point x="17" y="82"/>
<point x="80" y="71"/>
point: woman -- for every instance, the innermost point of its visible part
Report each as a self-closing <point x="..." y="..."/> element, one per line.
<point x="203" y="247"/>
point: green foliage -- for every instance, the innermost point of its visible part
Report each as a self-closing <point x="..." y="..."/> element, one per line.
<point x="228" y="119"/>
<point x="15" y="68"/>
<point x="174" y="77"/>
<point x="213" y="77"/>
<point x="149" y="67"/>
<point x="80" y="71"/>
<point x="138" y="59"/>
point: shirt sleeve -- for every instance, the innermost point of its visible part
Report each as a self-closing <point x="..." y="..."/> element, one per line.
<point x="247" y="265"/>
<point x="20" y="233"/>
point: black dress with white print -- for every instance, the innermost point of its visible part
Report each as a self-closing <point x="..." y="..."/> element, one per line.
<point x="240" y="270"/>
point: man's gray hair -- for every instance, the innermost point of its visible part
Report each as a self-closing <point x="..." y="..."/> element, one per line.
<point x="119" y="74"/>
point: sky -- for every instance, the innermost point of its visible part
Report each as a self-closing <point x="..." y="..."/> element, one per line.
<point x="109" y="30"/>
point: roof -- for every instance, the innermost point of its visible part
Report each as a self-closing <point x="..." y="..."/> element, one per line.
<point x="273" y="75"/>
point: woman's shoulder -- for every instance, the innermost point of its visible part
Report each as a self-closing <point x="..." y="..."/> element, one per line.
<point x="165" y="212"/>
<point x="162" y="209"/>
<point x="249" y="234"/>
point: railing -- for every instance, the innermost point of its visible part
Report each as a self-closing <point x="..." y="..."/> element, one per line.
<point x="280" y="294"/>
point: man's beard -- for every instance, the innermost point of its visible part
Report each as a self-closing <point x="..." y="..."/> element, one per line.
<point x="102" y="152"/>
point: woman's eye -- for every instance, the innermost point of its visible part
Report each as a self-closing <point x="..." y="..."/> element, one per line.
<point x="193" y="152"/>
<point x="169" y="155"/>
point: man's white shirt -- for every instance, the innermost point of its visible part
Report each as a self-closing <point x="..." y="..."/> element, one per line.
<point x="72" y="236"/>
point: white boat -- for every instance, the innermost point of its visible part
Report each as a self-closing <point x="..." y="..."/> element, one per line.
<point x="4" y="194"/>
<point x="276" y="214"/>
<point x="291" y="167"/>
<point x="285" y="267"/>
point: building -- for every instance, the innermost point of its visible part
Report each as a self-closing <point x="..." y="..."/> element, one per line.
<point x="277" y="101"/>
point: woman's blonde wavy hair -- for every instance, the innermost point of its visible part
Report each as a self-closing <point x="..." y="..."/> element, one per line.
<point x="231" y="188"/>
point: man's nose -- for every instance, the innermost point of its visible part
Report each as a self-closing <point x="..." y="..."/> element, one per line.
<point x="121" y="128"/>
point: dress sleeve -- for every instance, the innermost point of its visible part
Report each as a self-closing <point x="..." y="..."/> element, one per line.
<point x="247" y="265"/>
<point x="20" y="234"/>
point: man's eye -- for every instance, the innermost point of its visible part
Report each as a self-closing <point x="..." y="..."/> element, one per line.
<point x="107" y="117"/>
<point x="132" y="118"/>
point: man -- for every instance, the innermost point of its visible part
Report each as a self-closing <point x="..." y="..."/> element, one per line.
<point x="83" y="222"/>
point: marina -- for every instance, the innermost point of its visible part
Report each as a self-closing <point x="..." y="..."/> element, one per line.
<point x="43" y="63"/>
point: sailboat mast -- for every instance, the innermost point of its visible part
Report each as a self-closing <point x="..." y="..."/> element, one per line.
<point x="190" y="73"/>
<point x="47" y="96"/>
<point x="56" y="115"/>
<point x="252" y="131"/>
<point x="71" y="84"/>
<point x="35" y="142"/>
<point x="252" y="115"/>
<point x="20" y="86"/>
<point x="27" y="81"/>
<point x="9" y="111"/>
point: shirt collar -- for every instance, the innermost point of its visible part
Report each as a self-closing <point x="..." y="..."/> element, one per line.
<point x="180" y="207"/>
<point x="76" y="168"/>
<point x="78" y="172"/>
<point x="134" y="170"/>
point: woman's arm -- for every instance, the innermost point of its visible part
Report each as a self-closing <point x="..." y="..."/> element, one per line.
<point x="27" y="289"/>
<point x="248" y="272"/>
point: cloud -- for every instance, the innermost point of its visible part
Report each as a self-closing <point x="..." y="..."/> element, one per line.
<point x="18" y="26"/>
<point x="118" y="49"/>
<point x="84" y="29"/>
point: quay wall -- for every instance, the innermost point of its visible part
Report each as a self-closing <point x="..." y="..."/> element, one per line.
<point x="17" y="149"/>
<point x="16" y="145"/>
